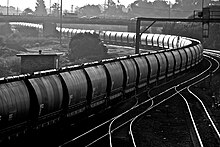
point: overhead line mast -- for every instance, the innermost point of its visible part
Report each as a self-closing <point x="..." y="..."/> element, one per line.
<point x="61" y="20"/>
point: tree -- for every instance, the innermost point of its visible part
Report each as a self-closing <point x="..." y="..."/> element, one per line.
<point x="160" y="4"/>
<point x="56" y="9"/>
<point x="111" y="3"/>
<point x="40" y="8"/>
<point x="65" y="11"/>
<point x="115" y="11"/>
<point x="77" y="9"/>
<point x="27" y="11"/>
<point x="90" y="10"/>
<point x="79" y="48"/>
<point x="142" y="8"/>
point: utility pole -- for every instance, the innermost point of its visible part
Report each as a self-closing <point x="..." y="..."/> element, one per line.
<point x="61" y="20"/>
<point x="50" y="7"/>
<point x="202" y="4"/>
<point x="169" y="9"/>
<point x="71" y="8"/>
<point x="7" y="7"/>
<point x="104" y="8"/>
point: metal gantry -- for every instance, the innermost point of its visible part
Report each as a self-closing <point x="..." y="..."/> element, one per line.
<point x="206" y="16"/>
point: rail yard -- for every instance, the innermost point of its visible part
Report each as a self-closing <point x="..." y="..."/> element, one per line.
<point x="109" y="102"/>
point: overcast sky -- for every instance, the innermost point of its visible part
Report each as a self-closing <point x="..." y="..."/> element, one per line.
<point x="22" y="4"/>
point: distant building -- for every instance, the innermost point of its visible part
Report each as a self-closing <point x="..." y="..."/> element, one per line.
<point x="70" y="15"/>
<point x="12" y="10"/>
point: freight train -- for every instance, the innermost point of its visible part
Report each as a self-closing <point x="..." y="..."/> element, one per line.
<point x="35" y="100"/>
<point x="129" y="39"/>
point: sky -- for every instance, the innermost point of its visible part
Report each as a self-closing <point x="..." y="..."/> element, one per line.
<point x="22" y="4"/>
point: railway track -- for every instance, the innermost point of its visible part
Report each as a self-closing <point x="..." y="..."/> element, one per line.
<point x="103" y="79"/>
<point x="214" y="66"/>
<point x="119" y="130"/>
<point x="124" y="122"/>
<point x="174" y="92"/>
<point x="108" y="130"/>
<point x="99" y="132"/>
<point x="162" y="97"/>
<point x="205" y="132"/>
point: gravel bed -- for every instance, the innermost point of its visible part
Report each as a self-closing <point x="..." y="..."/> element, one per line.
<point x="164" y="126"/>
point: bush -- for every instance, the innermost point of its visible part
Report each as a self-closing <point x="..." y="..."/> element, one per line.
<point x="9" y="66"/>
<point x="86" y="45"/>
<point x="5" y="29"/>
<point x="13" y="64"/>
<point x="28" y="31"/>
<point x="3" y="71"/>
<point x="2" y="42"/>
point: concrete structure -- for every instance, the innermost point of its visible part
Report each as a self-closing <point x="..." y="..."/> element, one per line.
<point x="39" y="61"/>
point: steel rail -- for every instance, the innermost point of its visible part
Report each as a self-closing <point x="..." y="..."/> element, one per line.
<point x="67" y="142"/>
<point x="113" y="119"/>
<point x="110" y="125"/>
<point x="199" y="141"/>
<point x="131" y="132"/>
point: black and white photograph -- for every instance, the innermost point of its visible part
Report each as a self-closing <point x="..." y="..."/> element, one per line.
<point x="110" y="73"/>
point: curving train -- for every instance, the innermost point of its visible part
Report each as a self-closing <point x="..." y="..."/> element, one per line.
<point x="129" y="39"/>
<point x="40" y="99"/>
